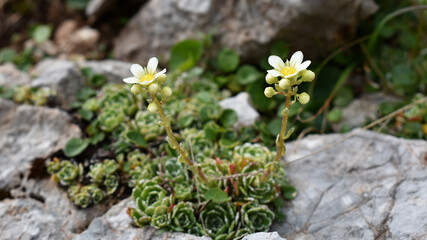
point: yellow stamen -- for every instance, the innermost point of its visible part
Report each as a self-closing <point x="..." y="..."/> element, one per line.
<point x="286" y="71"/>
<point x="146" y="78"/>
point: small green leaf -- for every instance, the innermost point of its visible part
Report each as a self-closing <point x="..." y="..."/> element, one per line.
<point x="274" y="126"/>
<point x="217" y="195"/>
<point x="85" y="93"/>
<point x="7" y="55"/>
<point x="247" y="74"/>
<point x="86" y="114"/>
<point x="228" y="60"/>
<point x="289" y="192"/>
<point x="185" y="55"/>
<point x="335" y="115"/>
<point x="137" y="138"/>
<point x="41" y="33"/>
<point x="75" y="146"/>
<point x="228" y="118"/>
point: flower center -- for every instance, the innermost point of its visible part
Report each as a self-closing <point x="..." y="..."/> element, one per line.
<point x="146" y="78"/>
<point x="286" y="71"/>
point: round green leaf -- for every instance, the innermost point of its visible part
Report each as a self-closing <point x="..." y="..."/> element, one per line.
<point x="185" y="54"/>
<point x="229" y="118"/>
<point x="75" y="146"/>
<point x="335" y="115"/>
<point x="228" y="60"/>
<point x="137" y="138"/>
<point x="247" y="74"/>
<point x="217" y="195"/>
<point x="41" y="33"/>
<point x="289" y="192"/>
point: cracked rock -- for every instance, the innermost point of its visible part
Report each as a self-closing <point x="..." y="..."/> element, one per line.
<point x="245" y="26"/>
<point x="27" y="133"/>
<point x="370" y="186"/>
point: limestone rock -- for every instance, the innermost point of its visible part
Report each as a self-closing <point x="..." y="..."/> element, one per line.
<point x="264" y="236"/>
<point x="27" y="133"/>
<point x="11" y="76"/>
<point x="247" y="115"/>
<point x="116" y="224"/>
<point x="370" y="186"/>
<point x="361" y="111"/>
<point x="42" y="210"/>
<point x="65" y="81"/>
<point x="71" y="38"/>
<point x="114" y="71"/>
<point x="49" y="65"/>
<point x="313" y="26"/>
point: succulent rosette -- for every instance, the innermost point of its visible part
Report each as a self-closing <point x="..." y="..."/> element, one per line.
<point x="253" y="153"/>
<point x="110" y="118"/>
<point x="220" y="220"/>
<point x="183" y="190"/>
<point x="254" y="188"/>
<point x="174" y="170"/>
<point x="111" y="182"/>
<point x="257" y="217"/>
<point x="83" y="198"/>
<point x="148" y="194"/>
<point x="147" y="125"/>
<point x="69" y="172"/>
<point x="182" y="217"/>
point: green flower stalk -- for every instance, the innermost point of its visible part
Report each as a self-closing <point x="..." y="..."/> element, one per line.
<point x="286" y="76"/>
<point x="150" y="81"/>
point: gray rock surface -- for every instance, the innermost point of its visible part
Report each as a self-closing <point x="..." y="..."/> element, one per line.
<point x="363" y="110"/>
<point x="95" y="8"/>
<point x="27" y="133"/>
<point x="43" y="211"/>
<point x="11" y="76"/>
<point x="371" y="186"/>
<point x="114" y="71"/>
<point x="66" y="81"/>
<point x="116" y="225"/>
<point x="313" y="26"/>
<point x="247" y="115"/>
<point x="264" y="236"/>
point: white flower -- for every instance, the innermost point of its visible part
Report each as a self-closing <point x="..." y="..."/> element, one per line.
<point x="290" y="68"/>
<point x="144" y="76"/>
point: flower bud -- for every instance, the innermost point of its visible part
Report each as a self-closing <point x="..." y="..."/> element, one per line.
<point x="162" y="78"/>
<point x="136" y="89"/>
<point x="303" y="98"/>
<point x="269" y="92"/>
<point x="166" y="92"/>
<point x="285" y="83"/>
<point x="307" y="76"/>
<point x="153" y="88"/>
<point x="152" y="108"/>
<point x="270" y="79"/>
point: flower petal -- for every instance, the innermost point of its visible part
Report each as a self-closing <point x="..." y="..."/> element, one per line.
<point x="296" y="59"/>
<point x="152" y="65"/>
<point x="276" y="62"/>
<point x="303" y="66"/>
<point x="159" y="73"/>
<point x="137" y="70"/>
<point x="275" y="73"/>
<point x="144" y="83"/>
<point x="131" y="80"/>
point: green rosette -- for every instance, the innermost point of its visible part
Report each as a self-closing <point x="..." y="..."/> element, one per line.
<point x="110" y="118"/>
<point x="220" y="220"/>
<point x="253" y="188"/>
<point x="96" y="193"/>
<point x="69" y="172"/>
<point x="183" y="190"/>
<point x="148" y="194"/>
<point x="182" y="217"/>
<point x="111" y="183"/>
<point x="83" y="198"/>
<point x="256" y="217"/>
<point x="119" y="95"/>
<point x="174" y="170"/>
<point x="253" y="153"/>
<point x="147" y="125"/>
